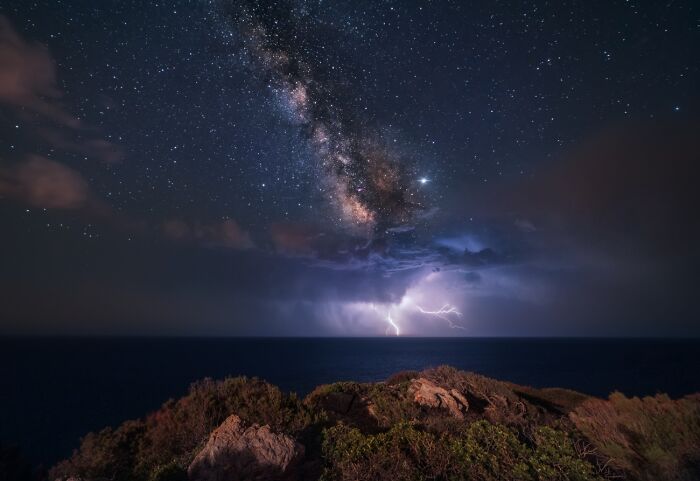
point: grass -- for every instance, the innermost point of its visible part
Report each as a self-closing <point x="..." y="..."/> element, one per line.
<point x="651" y="438"/>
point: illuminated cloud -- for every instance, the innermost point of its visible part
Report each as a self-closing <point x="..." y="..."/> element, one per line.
<point x="45" y="183"/>
<point x="294" y="238"/>
<point x="227" y="234"/>
<point x="28" y="84"/>
<point x="28" y="77"/>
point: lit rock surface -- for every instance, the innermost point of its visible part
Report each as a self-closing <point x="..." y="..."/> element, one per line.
<point x="427" y="393"/>
<point x="235" y="452"/>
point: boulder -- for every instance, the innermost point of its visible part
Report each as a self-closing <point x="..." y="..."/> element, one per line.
<point x="235" y="452"/>
<point x="427" y="393"/>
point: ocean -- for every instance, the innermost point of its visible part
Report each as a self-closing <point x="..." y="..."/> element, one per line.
<point x="54" y="390"/>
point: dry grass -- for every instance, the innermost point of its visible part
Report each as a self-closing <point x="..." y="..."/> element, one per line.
<point x="652" y="438"/>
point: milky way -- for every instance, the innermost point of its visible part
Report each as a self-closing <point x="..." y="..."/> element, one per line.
<point x="370" y="185"/>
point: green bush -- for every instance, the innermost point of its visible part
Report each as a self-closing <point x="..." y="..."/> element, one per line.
<point x="483" y="451"/>
<point x="554" y="458"/>
<point x="402" y="454"/>
<point x="490" y="453"/>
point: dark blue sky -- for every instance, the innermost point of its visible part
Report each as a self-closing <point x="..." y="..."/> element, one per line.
<point x="349" y="168"/>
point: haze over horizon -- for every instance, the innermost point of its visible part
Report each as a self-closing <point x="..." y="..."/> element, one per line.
<point x="349" y="168"/>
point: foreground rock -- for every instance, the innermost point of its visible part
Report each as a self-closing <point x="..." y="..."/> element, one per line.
<point x="235" y="452"/>
<point x="427" y="393"/>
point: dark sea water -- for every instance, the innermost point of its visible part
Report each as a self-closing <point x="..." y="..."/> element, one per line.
<point x="52" y="391"/>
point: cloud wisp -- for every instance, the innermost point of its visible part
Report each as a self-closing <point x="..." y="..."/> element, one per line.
<point x="44" y="183"/>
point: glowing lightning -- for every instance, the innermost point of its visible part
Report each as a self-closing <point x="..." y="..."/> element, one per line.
<point x="447" y="313"/>
<point x="392" y="323"/>
<point x="389" y="320"/>
<point x="444" y="313"/>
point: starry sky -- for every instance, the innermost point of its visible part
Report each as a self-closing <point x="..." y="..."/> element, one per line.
<point x="349" y="168"/>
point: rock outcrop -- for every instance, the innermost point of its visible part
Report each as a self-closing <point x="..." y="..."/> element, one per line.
<point x="236" y="452"/>
<point x="427" y="393"/>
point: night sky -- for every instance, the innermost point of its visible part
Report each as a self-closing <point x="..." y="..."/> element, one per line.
<point x="350" y="168"/>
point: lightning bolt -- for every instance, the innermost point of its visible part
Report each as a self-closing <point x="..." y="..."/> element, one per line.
<point x="389" y="320"/>
<point x="446" y="313"/>
<point x="392" y="323"/>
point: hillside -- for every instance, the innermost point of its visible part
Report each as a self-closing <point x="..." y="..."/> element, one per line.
<point x="438" y="424"/>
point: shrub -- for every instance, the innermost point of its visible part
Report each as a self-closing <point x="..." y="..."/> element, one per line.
<point x="111" y="454"/>
<point x="402" y="453"/>
<point x="169" y="472"/>
<point x="489" y="452"/>
<point x="560" y="399"/>
<point x="555" y="458"/>
<point x="402" y="377"/>
<point x="391" y="405"/>
<point x="179" y="427"/>
<point x="483" y="451"/>
<point x="163" y="445"/>
<point x="653" y="438"/>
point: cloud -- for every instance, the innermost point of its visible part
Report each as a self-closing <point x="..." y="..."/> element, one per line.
<point x="472" y="277"/>
<point x="294" y="238"/>
<point x="28" y="77"/>
<point x="99" y="149"/>
<point x="28" y="84"/>
<point x="398" y="250"/>
<point x="45" y="183"/>
<point x="525" y="225"/>
<point x="176" y="229"/>
<point x="226" y="234"/>
<point x="604" y="240"/>
<point x="629" y="185"/>
<point x="151" y="284"/>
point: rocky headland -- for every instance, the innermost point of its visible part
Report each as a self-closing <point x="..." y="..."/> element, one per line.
<point x="438" y="424"/>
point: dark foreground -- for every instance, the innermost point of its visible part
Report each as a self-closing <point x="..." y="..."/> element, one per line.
<point x="55" y="390"/>
<point x="438" y="424"/>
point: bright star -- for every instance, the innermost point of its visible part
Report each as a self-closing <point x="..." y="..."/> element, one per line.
<point x="423" y="180"/>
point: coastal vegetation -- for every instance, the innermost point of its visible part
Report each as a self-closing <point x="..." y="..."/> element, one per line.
<point x="438" y="424"/>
